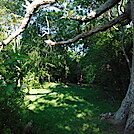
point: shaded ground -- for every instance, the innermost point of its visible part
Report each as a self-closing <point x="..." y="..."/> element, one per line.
<point x="69" y="110"/>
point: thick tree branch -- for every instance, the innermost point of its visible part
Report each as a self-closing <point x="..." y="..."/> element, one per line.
<point x="30" y="8"/>
<point x="91" y="32"/>
<point x="94" y="14"/>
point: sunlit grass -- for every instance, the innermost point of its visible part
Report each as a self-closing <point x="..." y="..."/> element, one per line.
<point x="50" y="85"/>
<point x="68" y="110"/>
<point x="39" y="91"/>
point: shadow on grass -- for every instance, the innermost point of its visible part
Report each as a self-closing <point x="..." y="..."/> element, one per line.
<point x="70" y="110"/>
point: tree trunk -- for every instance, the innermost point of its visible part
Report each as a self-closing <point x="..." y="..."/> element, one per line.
<point x="125" y="115"/>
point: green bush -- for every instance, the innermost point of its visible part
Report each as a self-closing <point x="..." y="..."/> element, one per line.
<point x="12" y="108"/>
<point x="11" y="95"/>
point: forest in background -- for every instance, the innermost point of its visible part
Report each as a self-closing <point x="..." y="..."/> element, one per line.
<point x="28" y="62"/>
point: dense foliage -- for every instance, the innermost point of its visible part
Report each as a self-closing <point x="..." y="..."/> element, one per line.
<point x="104" y="60"/>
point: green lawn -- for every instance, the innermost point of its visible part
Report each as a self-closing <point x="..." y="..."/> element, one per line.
<point x="59" y="109"/>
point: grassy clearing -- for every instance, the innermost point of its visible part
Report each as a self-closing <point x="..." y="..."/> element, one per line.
<point x="69" y="110"/>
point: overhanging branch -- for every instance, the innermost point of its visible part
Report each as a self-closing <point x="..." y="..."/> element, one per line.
<point x="91" y="32"/>
<point x="30" y="8"/>
<point x="94" y="14"/>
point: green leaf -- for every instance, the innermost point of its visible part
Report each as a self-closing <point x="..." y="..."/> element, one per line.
<point x="2" y="99"/>
<point x="9" y="89"/>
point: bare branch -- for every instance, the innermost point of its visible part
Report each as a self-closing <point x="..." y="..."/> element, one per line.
<point x="48" y="29"/>
<point x="27" y="2"/>
<point x="96" y="30"/>
<point x="50" y="42"/>
<point x="123" y="48"/>
<point x="94" y="14"/>
<point x="30" y="8"/>
<point x="121" y="6"/>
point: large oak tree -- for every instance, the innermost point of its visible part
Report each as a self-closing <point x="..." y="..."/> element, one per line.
<point x="125" y="114"/>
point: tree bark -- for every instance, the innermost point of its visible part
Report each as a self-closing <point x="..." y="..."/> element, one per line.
<point x="125" y="115"/>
